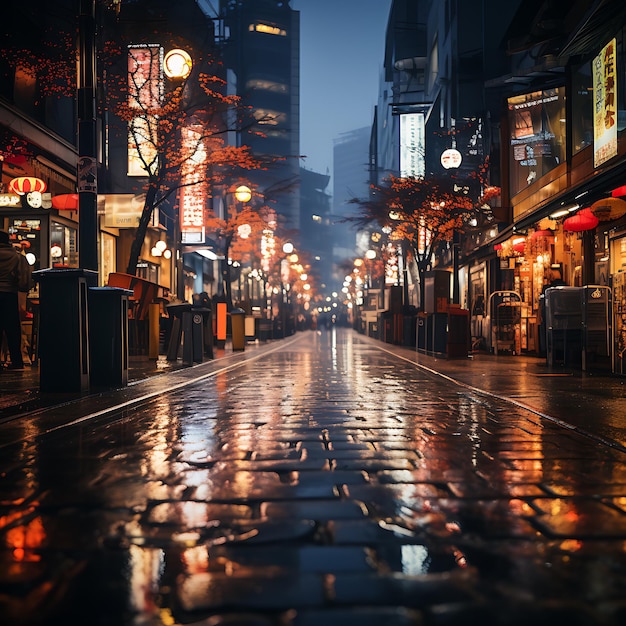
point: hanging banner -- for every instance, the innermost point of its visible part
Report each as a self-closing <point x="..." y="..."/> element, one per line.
<point x="194" y="192"/>
<point x="412" y="145"/>
<point x="604" y="70"/>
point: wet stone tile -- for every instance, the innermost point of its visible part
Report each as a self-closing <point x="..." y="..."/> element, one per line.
<point x="270" y="531"/>
<point x="373" y="465"/>
<point x="473" y="489"/>
<point x="297" y="559"/>
<point x="215" y="590"/>
<point x="192" y="514"/>
<point x="422" y="475"/>
<point x="580" y="518"/>
<point x="598" y="490"/>
<point x="367" y="532"/>
<point x="619" y="503"/>
<point x="523" y="490"/>
<point x="320" y="510"/>
<point x="418" y="590"/>
<point x="342" y="477"/>
<point x="357" y="616"/>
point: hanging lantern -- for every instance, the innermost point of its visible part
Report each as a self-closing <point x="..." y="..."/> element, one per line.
<point x="519" y="244"/>
<point x="65" y="202"/>
<point x="583" y="220"/>
<point x="26" y="184"/>
<point x="608" y="209"/>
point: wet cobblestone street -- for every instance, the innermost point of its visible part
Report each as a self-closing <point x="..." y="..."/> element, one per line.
<point x="322" y="483"/>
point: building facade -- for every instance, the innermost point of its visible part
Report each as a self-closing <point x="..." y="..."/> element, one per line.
<point x="536" y="93"/>
<point x="262" y="53"/>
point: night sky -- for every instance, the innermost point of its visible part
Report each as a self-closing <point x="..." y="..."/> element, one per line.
<point x="341" y="56"/>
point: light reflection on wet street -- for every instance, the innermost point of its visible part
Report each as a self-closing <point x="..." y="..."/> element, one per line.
<point x="324" y="483"/>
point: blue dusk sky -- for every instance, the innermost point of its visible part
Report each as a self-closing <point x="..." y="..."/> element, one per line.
<point x="341" y="56"/>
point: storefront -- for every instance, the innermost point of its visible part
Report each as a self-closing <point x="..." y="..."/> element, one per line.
<point x="49" y="238"/>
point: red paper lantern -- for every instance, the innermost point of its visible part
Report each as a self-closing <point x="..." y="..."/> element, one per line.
<point x="620" y="191"/>
<point x="26" y="184"/>
<point x="583" y="220"/>
<point x="519" y="246"/>
<point x="65" y="202"/>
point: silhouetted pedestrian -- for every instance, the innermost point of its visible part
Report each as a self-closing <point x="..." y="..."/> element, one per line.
<point x="15" y="277"/>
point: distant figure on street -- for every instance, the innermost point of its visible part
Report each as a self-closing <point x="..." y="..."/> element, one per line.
<point x="15" y="277"/>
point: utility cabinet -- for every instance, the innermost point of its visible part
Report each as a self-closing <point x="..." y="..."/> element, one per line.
<point x="579" y="326"/>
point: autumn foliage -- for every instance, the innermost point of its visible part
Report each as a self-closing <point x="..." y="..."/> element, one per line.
<point x="421" y="213"/>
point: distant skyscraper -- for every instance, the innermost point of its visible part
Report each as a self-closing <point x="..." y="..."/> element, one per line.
<point x="350" y="180"/>
<point x="316" y="236"/>
<point x="263" y="52"/>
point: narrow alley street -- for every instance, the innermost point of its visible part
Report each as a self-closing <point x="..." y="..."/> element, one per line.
<point x="321" y="481"/>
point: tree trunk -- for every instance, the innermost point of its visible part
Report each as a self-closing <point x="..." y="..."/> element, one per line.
<point x="142" y="229"/>
<point x="422" y="267"/>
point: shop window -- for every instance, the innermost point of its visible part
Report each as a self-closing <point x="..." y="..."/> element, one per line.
<point x="148" y="271"/>
<point x="63" y="246"/>
<point x="28" y="234"/>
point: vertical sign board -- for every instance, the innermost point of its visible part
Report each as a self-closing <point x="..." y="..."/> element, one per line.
<point x="194" y="191"/>
<point x="145" y="88"/>
<point x="412" y="145"/>
<point x="604" y="69"/>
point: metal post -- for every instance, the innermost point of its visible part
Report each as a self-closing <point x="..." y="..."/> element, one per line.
<point x="87" y="155"/>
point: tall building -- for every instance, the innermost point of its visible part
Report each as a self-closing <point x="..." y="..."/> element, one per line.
<point x="350" y="180"/>
<point x="317" y="230"/>
<point x="262" y="50"/>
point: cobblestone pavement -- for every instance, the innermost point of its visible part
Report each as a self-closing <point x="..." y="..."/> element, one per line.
<point x="321" y="482"/>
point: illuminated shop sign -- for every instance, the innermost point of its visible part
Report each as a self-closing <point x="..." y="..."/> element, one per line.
<point x="194" y="192"/>
<point x="268" y="29"/>
<point x="537" y="135"/>
<point x="10" y="200"/>
<point x="145" y="89"/>
<point x="605" y="105"/>
<point x="123" y="210"/>
<point x="412" y="144"/>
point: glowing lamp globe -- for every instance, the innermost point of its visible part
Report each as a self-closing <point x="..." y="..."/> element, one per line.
<point x="177" y="64"/>
<point x="243" y="193"/>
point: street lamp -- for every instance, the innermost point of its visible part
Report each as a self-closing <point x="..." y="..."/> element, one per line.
<point x="177" y="64"/>
<point x="370" y="255"/>
<point x="243" y="194"/>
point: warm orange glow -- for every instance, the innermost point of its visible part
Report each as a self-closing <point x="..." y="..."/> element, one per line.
<point x="221" y="321"/>
<point x="177" y="64"/>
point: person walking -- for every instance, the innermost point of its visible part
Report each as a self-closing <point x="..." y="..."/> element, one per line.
<point x="15" y="277"/>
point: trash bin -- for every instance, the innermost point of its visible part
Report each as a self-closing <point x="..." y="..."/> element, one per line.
<point x="193" y="326"/>
<point x="238" y="335"/>
<point x="108" y="336"/>
<point x="63" y="329"/>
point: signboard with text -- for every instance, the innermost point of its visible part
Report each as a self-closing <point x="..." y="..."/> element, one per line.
<point x="605" y="104"/>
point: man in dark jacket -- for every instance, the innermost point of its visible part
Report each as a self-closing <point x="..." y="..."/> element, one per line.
<point x="15" y="276"/>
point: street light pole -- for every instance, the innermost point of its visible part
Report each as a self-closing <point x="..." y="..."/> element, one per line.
<point x="87" y="140"/>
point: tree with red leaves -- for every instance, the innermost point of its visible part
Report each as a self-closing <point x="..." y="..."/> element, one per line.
<point x="422" y="213"/>
<point x="195" y="108"/>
